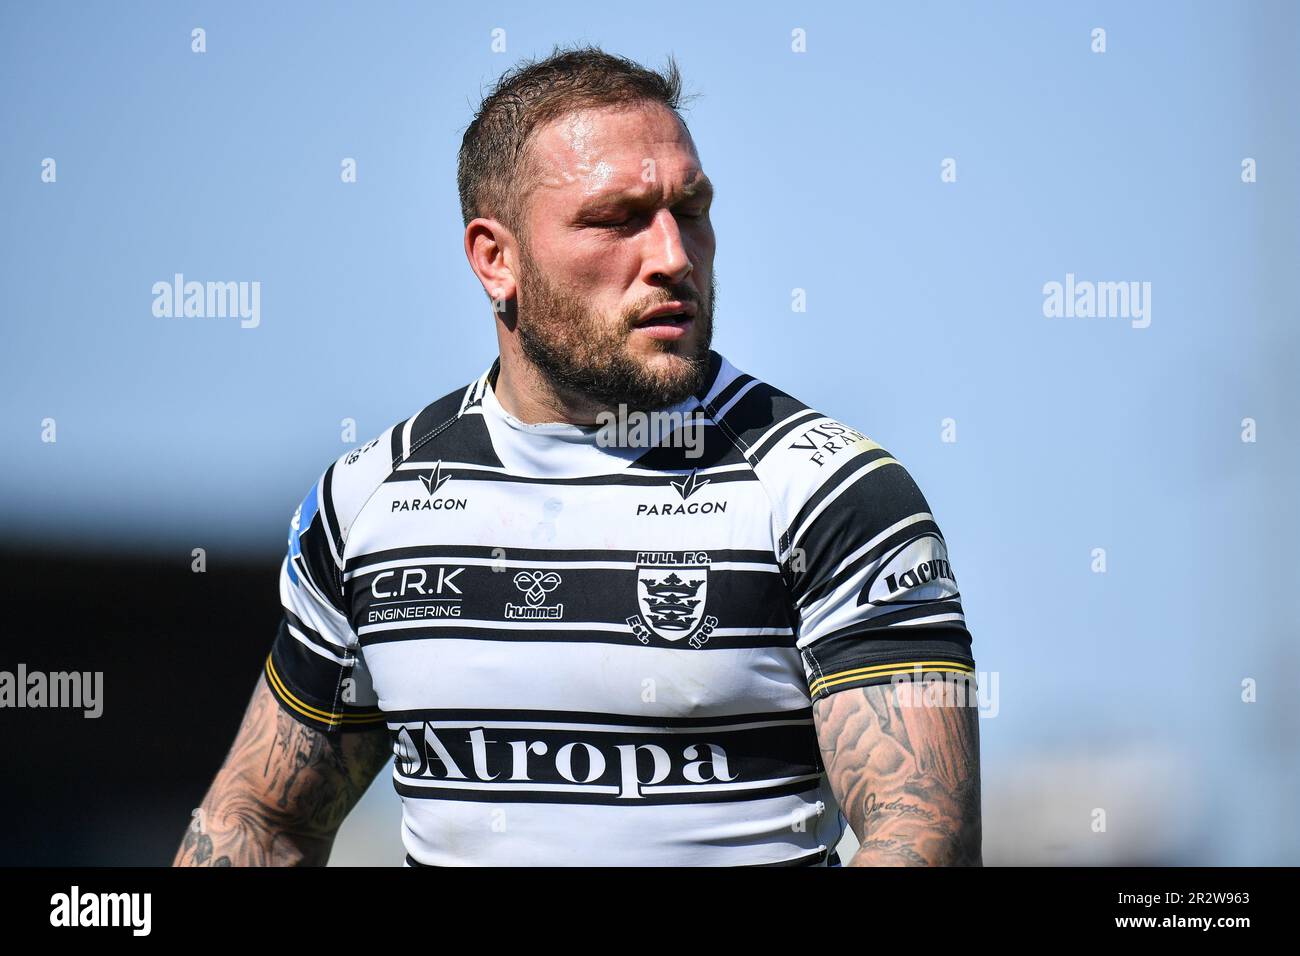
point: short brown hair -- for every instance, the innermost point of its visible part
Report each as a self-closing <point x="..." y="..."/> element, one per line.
<point x="492" y="172"/>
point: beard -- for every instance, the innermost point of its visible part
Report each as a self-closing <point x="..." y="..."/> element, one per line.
<point x="581" y="352"/>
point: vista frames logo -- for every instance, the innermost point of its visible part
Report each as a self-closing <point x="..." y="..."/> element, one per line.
<point x="433" y="482"/>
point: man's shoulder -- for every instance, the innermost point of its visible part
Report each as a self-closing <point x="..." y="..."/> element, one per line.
<point x="351" y="480"/>
<point x="785" y="439"/>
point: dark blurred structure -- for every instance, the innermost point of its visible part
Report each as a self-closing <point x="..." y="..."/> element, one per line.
<point x="180" y="653"/>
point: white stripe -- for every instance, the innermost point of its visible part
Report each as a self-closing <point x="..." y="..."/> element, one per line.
<point x="595" y="728"/>
<point x="953" y="616"/>
<point x="325" y="523"/>
<point x="722" y="412"/>
<point x="527" y="786"/>
<point x="523" y="787"/>
<point x="523" y="563"/>
<point x="406" y="435"/>
<point x="723" y="787"/>
<point x="307" y="584"/>
<point x="593" y="627"/>
<point x="315" y="648"/>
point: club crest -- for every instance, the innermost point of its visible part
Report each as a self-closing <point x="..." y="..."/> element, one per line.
<point x="671" y="599"/>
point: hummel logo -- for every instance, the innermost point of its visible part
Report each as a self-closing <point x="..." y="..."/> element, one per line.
<point x="689" y="485"/>
<point x="435" y="479"/>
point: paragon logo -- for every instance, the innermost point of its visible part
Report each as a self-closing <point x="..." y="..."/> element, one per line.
<point x="433" y="482"/>
<point x="915" y="572"/>
<point x="672" y="598"/>
<point x="685" y="487"/>
<point x="536" y="585"/>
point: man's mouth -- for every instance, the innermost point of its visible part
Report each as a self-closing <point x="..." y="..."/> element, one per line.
<point x="668" y="317"/>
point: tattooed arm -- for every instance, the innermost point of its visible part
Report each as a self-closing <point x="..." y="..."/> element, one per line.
<point x="905" y="774"/>
<point x="283" y="791"/>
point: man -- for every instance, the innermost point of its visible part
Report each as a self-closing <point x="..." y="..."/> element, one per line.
<point x="586" y="640"/>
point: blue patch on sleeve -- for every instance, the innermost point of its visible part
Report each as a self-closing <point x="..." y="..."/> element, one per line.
<point x="302" y="519"/>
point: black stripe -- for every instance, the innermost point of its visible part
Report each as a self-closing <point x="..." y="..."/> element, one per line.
<point x="757" y="411"/>
<point x="866" y="647"/>
<point x="911" y="610"/>
<point x="618" y="478"/>
<point x="600" y="799"/>
<point x="858" y="495"/>
<point x="395" y="444"/>
<point x="727" y="393"/>
<point x="768" y="444"/>
<point x="331" y="518"/>
<point x="466" y="437"/>
<point x="715" y="366"/>
<point x="810" y="588"/>
<point x="815" y="858"/>
<point x="312" y="635"/>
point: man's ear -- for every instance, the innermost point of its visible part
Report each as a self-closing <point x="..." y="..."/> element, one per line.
<point x="490" y="248"/>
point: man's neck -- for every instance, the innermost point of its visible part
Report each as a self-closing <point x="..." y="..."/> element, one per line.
<point x="534" y="401"/>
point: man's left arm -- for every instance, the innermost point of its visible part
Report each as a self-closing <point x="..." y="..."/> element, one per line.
<point x="886" y="651"/>
<point x="903" y="762"/>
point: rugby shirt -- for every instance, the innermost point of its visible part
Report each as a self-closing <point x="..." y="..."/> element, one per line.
<point x="589" y="652"/>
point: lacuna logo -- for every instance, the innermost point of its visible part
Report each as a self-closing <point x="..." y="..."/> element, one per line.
<point x="209" y="300"/>
<point x="637" y="429"/>
<point x="102" y="909"/>
<point x="1098" y="300"/>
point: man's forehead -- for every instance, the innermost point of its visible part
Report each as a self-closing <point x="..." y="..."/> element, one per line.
<point x="599" y="150"/>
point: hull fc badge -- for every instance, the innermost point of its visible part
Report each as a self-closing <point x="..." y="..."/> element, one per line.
<point x="672" y="599"/>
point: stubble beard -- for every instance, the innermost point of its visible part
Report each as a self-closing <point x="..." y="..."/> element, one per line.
<point x="582" y="353"/>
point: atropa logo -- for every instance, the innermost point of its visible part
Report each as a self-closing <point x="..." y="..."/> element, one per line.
<point x="914" y="572"/>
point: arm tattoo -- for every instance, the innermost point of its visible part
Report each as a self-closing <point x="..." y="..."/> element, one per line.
<point x="906" y="776"/>
<point x="283" y="791"/>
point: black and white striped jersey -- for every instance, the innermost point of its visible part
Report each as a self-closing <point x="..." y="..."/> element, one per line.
<point x="593" y="653"/>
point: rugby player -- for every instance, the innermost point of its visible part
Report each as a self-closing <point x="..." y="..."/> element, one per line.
<point x="714" y="641"/>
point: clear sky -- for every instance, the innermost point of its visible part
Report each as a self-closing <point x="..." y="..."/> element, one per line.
<point x="925" y="303"/>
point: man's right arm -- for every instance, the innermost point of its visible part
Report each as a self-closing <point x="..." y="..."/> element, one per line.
<point x="283" y="790"/>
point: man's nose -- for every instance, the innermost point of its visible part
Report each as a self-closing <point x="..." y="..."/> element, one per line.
<point x="666" y="261"/>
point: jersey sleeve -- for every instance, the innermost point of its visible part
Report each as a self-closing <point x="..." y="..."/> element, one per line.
<point x="874" y="593"/>
<point x="316" y="669"/>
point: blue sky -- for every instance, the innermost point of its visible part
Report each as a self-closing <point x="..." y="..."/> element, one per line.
<point x="925" y="303"/>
